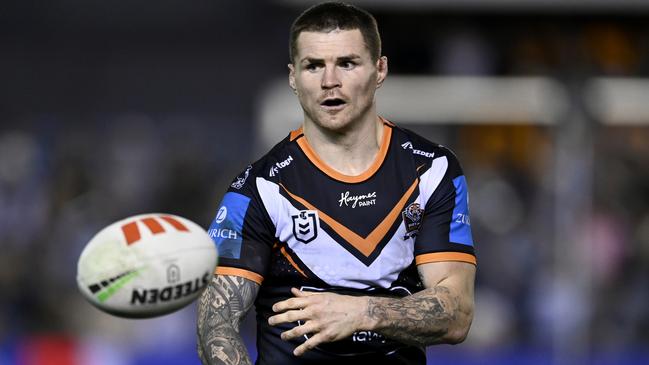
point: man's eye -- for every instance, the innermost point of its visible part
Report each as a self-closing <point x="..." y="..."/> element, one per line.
<point x="347" y="65"/>
<point x="312" y="67"/>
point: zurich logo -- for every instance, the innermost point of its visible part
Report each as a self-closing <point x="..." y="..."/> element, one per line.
<point x="221" y="214"/>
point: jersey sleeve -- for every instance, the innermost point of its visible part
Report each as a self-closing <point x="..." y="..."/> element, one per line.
<point x="445" y="231"/>
<point x="242" y="231"/>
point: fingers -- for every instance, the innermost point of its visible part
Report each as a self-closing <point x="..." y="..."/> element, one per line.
<point x="299" y="302"/>
<point x="290" y="309"/>
<point x="288" y="304"/>
<point x="296" y="309"/>
<point x="301" y="294"/>
<point x="309" y="344"/>
<point x="298" y="331"/>
<point x="288" y="317"/>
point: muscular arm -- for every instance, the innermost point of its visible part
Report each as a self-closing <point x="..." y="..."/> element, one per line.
<point x="221" y="308"/>
<point x="441" y="313"/>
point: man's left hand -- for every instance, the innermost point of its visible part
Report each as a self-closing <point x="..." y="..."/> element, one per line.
<point x="326" y="317"/>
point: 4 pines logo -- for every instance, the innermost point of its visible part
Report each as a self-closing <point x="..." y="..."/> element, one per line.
<point x="274" y="170"/>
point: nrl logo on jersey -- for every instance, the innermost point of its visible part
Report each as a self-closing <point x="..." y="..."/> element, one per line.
<point x="412" y="219"/>
<point x="305" y="225"/>
<point x="280" y="165"/>
<point x="408" y="146"/>
<point x="241" y="179"/>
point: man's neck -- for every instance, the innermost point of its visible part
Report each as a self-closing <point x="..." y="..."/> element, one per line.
<point x="350" y="152"/>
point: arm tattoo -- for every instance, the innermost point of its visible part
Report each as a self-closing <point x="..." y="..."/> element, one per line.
<point x="421" y="319"/>
<point x="221" y="308"/>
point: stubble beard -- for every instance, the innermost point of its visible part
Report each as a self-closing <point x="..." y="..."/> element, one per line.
<point x="340" y="122"/>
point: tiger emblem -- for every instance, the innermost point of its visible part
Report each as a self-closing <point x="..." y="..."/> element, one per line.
<point x="412" y="218"/>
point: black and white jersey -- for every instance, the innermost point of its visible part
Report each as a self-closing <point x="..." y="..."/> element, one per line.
<point x="289" y="220"/>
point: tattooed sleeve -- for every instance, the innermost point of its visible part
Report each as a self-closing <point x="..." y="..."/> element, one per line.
<point x="221" y="308"/>
<point x="439" y="314"/>
<point x="421" y="319"/>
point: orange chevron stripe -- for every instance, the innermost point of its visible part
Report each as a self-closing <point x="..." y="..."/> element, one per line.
<point x="366" y="245"/>
<point x="291" y="261"/>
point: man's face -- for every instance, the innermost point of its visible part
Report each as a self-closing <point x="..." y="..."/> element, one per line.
<point x="335" y="78"/>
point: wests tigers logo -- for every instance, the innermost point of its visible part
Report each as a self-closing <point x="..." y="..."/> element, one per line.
<point x="412" y="219"/>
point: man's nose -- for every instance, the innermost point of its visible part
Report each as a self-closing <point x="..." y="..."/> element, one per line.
<point x="330" y="78"/>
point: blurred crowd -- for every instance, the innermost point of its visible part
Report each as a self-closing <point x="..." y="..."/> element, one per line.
<point x="64" y="176"/>
<point x="60" y="184"/>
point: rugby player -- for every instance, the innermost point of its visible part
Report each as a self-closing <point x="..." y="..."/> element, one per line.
<point x="352" y="235"/>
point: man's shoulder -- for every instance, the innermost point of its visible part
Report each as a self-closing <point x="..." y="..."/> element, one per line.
<point x="421" y="147"/>
<point x="268" y="165"/>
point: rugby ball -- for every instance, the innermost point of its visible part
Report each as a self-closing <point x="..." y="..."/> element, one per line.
<point x="147" y="265"/>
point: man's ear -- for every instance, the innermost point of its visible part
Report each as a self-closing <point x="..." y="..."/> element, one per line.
<point x="382" y="70"/>
<point x="291" y="77"/>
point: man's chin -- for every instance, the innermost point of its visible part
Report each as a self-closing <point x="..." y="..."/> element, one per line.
<point x="334" y="123"/>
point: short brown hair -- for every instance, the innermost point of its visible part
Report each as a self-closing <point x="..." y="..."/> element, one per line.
<point x="330" y="16"/>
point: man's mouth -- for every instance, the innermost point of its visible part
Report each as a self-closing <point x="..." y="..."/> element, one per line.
<point x="333" y="104"/>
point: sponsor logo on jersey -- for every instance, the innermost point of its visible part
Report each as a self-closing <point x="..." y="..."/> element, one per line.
<point x="460" y="231"/>
<point x="408" y="146"/>
<point x="463" y="219"/>
<point x="363" y="200"/>
<point x="305" y="225"/>
<point x="367" y="336"/>
<point x="221" y="214"/>
<point x="412" y="219"/>
<point x="227" y="226"/>
<point x="274" y="170"/>
<point x="226" y="233"/>
<point x="241" y="179"/>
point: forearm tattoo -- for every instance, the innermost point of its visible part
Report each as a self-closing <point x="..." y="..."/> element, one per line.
<point x="421" y="319"/>
<point x="221" y="308"/>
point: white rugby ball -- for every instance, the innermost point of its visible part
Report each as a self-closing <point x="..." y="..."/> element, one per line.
<point x="146" y="265"/>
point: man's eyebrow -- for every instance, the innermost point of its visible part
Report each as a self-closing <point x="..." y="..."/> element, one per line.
<point x="348" y="57"/>
<point x="311" y="60"/>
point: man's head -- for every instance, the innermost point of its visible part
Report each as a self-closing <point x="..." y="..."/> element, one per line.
<point x="330" y="16"/>
<point x="335" y="67"/>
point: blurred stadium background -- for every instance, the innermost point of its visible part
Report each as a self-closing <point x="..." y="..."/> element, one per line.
<point x="108" y="109"/>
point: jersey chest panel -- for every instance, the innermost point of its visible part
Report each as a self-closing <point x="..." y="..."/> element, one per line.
<point x="348" y="235"/>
